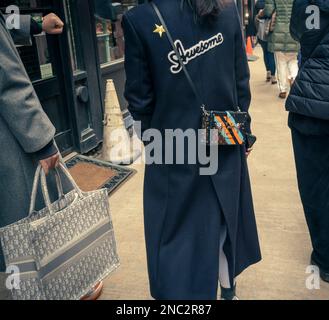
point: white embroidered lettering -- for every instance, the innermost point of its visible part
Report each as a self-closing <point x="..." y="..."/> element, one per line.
<point x="189" y="54"/>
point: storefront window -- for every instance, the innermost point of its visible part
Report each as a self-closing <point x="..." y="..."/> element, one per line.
<point x="44" y="61"/>
<point x="109" y="31"/>
<point x="36" y="58"/>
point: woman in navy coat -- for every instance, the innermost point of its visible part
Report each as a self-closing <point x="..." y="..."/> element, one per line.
<point x="199" y="229"/>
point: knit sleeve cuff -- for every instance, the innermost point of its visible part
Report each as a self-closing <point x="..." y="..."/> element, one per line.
<point x="48" y="151"/>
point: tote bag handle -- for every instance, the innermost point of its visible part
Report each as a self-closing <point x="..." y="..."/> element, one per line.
<point x="40" y="175"/>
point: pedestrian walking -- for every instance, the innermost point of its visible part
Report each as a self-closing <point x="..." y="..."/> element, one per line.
<point x="280" y="42"/>
<point x="308" y="106"/>
<point x="262" y="26"/>
<point x="27" y="135"/>
<point x="200" y="230"/>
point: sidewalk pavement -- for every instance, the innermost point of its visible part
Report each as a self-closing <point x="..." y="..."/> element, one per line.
<point x="283" y="233"/>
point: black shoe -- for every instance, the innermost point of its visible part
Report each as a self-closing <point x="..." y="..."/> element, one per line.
<point x="323" y="275"/>
<point x="283" y="95"/>
<point x="228" y="294"/>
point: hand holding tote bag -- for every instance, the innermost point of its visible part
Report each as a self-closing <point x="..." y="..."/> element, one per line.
<point x="65" y="249"/>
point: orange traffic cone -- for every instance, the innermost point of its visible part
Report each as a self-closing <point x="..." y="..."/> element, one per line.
<point x="249" y="47"/>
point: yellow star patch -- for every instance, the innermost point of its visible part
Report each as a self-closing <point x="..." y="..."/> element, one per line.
<point x="160" y="30"/>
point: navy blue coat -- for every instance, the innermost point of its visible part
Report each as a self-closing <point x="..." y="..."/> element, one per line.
<point x="183" y="209"/>
<point x="309" y="96"/>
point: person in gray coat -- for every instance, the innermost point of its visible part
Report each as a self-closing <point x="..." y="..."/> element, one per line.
<point x="26" y="133"/>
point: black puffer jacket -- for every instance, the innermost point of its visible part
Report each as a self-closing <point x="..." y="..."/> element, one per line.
<point x="310" y="93"/>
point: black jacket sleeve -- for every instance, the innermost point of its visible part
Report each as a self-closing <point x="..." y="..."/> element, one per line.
<point x="139" y="90"/>
<point x="48" y="151"/>
<point x="35" y="27"/>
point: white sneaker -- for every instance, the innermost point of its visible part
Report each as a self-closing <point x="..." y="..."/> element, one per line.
<point x="274" y="80"/>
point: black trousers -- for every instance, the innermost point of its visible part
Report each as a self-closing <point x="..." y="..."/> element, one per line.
<point x="312" y="162"/>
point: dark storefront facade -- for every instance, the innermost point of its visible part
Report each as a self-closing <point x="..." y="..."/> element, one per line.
<point x="69" y="72"/>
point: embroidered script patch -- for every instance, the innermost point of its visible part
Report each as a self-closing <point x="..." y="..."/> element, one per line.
<point x="189" y="54"/>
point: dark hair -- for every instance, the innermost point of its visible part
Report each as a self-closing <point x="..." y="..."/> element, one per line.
<point x="206" y="9"/>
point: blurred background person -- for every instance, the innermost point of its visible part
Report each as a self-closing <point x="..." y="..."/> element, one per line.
<point x="308" y="105"/>
<point x="282" y="44"/>
<point x="262" y="26"/>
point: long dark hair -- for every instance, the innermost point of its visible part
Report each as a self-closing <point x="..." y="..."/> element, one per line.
<point x="206" y="9"/>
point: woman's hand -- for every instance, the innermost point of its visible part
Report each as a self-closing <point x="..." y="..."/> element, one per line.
<point x="261" y="14"/>
<point x="248" y="152"/>
<point x="50" y="163"/>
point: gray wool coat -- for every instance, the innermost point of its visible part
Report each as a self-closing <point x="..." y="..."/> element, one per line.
<point x="24" y="128"/>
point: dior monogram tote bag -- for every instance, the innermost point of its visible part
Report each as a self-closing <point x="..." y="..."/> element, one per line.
<point x="62" y="251"/>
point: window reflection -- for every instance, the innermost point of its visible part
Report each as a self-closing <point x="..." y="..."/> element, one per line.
<point x="109" y="31"/>
<point x="36" y="58"/>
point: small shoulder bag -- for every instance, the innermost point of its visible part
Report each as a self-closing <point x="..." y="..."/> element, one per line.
<point x="219" y="127"/>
